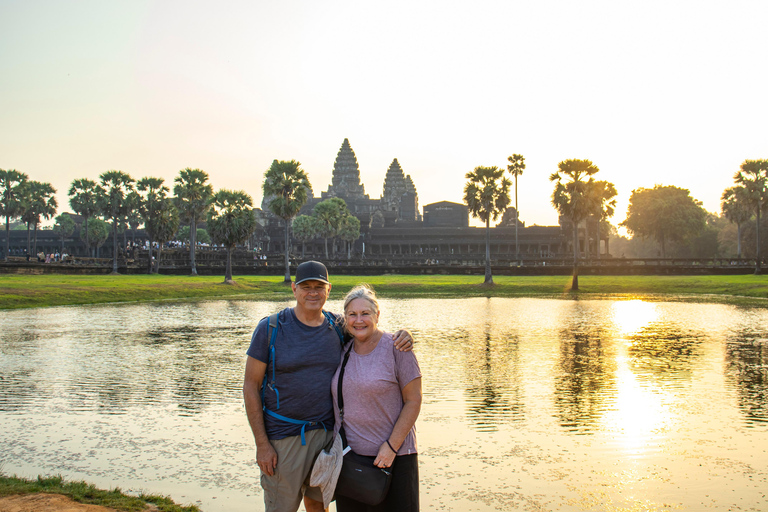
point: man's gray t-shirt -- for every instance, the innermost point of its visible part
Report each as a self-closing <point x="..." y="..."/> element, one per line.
<point x="305" y="360"/>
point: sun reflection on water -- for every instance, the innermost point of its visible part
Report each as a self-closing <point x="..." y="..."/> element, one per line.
<point x="632" y="315"/>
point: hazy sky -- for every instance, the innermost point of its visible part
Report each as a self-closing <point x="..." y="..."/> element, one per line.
<point x="653" y="92"/>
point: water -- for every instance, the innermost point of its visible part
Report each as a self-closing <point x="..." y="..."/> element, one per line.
<point x="529" y="404"/>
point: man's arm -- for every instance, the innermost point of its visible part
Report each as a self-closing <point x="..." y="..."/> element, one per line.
<point x="266" y="457"/>
<point x="403" y="340"/>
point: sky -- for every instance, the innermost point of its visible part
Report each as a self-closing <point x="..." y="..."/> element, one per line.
<point x="652" y="92"/>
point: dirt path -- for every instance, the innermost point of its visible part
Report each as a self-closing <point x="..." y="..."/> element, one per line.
<point x="43" y="502"/>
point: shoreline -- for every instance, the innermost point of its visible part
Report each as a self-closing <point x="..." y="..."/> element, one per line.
<point x="40" y="291"/>
<point x="53" y="493"/>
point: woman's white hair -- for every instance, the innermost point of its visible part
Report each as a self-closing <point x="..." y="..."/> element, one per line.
<point x="362" y="291"/>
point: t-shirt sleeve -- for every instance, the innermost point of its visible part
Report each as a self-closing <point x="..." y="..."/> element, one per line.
<point x="259" y="348"/>
<point x="406" y="367"/>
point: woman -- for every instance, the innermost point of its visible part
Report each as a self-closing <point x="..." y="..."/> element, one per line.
<point x="382" y="399"/>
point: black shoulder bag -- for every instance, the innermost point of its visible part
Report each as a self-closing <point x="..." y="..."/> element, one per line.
<point x="359" y="479"/>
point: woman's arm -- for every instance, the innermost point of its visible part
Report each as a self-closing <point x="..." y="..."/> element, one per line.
<point x="403" y="425"/>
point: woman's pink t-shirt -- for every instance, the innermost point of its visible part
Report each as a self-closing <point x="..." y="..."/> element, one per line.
<point x="373" y="398"/>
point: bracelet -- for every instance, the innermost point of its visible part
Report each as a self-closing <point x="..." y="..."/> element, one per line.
<point x="390" y="446"/>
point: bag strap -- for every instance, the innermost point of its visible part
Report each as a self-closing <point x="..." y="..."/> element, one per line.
<point x="340" y="395"/>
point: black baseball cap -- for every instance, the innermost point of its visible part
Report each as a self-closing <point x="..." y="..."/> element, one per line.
<point x="312" y="271"/>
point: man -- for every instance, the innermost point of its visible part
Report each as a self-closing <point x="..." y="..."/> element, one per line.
<point x="292" y="417"/>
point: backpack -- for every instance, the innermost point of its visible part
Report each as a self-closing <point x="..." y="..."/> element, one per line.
<point x="274" y="324"/>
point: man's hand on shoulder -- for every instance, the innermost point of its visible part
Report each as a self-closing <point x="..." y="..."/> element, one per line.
<point x="403" y="340"/>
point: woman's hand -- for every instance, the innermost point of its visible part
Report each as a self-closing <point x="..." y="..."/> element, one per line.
<point x="385" y="457"/>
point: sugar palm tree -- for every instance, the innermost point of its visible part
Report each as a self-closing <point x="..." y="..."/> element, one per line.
<point x="286" y="187"/>
<point x="153" y="196"/>
<point x="85" y="198"/>
<point x="516" y="167"/>
<point x="40" y="204"/>
<point x="11" y="206"/>
<point x="192" y="197"/>
<point x="349" y="231"/>
<point x="573" y="200"/>
<point x="163" y="226"/>
<point x="736" y="208"/>
<point x="116" y="185"/>
<point x="486" y="193"/>
<point x="752" y="177"/>
<point x="329" y="215"/>
<point x="133" y="215"/>
<point x="230" y="222"/>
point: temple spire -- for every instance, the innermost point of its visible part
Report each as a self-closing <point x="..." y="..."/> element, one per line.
<point x="346" y="175"/>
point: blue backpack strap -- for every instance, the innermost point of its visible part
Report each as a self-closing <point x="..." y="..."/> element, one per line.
<point x="272" y="333"/>
<point x="296" y="422"/>
<point x="333" y="321"/>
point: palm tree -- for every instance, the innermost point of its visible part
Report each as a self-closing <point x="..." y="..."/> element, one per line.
<point x="328" y="216"/>
<point x="487" y="196"/>
<point x="133" y="215"/>
<point x="152" y="200"/>
<point x="349" y="231"/>
<point x="516" y="167"/>
<point x="64" y="227"/>
<point x="163" y="226"/>
<point x="573" y="200"/>
<point x="117" y="185"/>
<point x="192" y="197"/>
<point x="604" y="203"/>
<point x="44" y="203"/>
<point x="736" y="208"/>
<point x="39" y="202"/>
<point x="304" y="228"/>
<point x="230" y="222"/>
<point x="752" y="177"/>
<point x="85" y="198"/>
<point x="287" y="188"/>
<point x="11" y="188"/>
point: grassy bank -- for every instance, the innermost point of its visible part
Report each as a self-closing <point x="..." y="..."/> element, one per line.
<point x="21" y="291"/>
<point x="87" y="493"/>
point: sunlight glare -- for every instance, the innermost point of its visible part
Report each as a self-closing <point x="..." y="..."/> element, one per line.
<point x="632" y="315"/>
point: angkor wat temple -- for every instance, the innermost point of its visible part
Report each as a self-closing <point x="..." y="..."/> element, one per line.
<point x="393" y="227"/>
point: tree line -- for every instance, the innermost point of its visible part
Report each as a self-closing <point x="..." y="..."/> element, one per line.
<point x="117" y="202"/>
<point x="664" y="214"/>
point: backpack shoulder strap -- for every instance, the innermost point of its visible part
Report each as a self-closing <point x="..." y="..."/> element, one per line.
<point x="272" y="334"/>
<point x="334" y="323"/>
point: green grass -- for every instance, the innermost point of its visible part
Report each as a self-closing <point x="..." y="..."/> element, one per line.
<point x="27" y="291"/>
<point x="88" y="493"/>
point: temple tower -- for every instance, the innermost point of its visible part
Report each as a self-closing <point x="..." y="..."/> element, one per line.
<point x="346" y="176"/>
<point x="399" y="194"/>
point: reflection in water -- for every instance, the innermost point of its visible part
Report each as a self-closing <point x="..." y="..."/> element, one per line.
<point x="666" y="352"/>
<point x="493" y="384"/>
<point x="585" y="383"/>
<point x="670" y="401"/>
<point x="746" y="355"/>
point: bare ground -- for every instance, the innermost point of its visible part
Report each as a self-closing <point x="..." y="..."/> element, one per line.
<point x="43" y="502"/>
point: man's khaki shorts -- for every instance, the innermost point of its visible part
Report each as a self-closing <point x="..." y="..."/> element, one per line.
<point x="284" y="490"/>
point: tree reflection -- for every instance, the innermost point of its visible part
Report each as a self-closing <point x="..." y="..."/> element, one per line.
<point x="665" y="352"/>
<point x="746" y="357"/>
<point x="586" y="380"/>
<point x="493" y="391"/>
